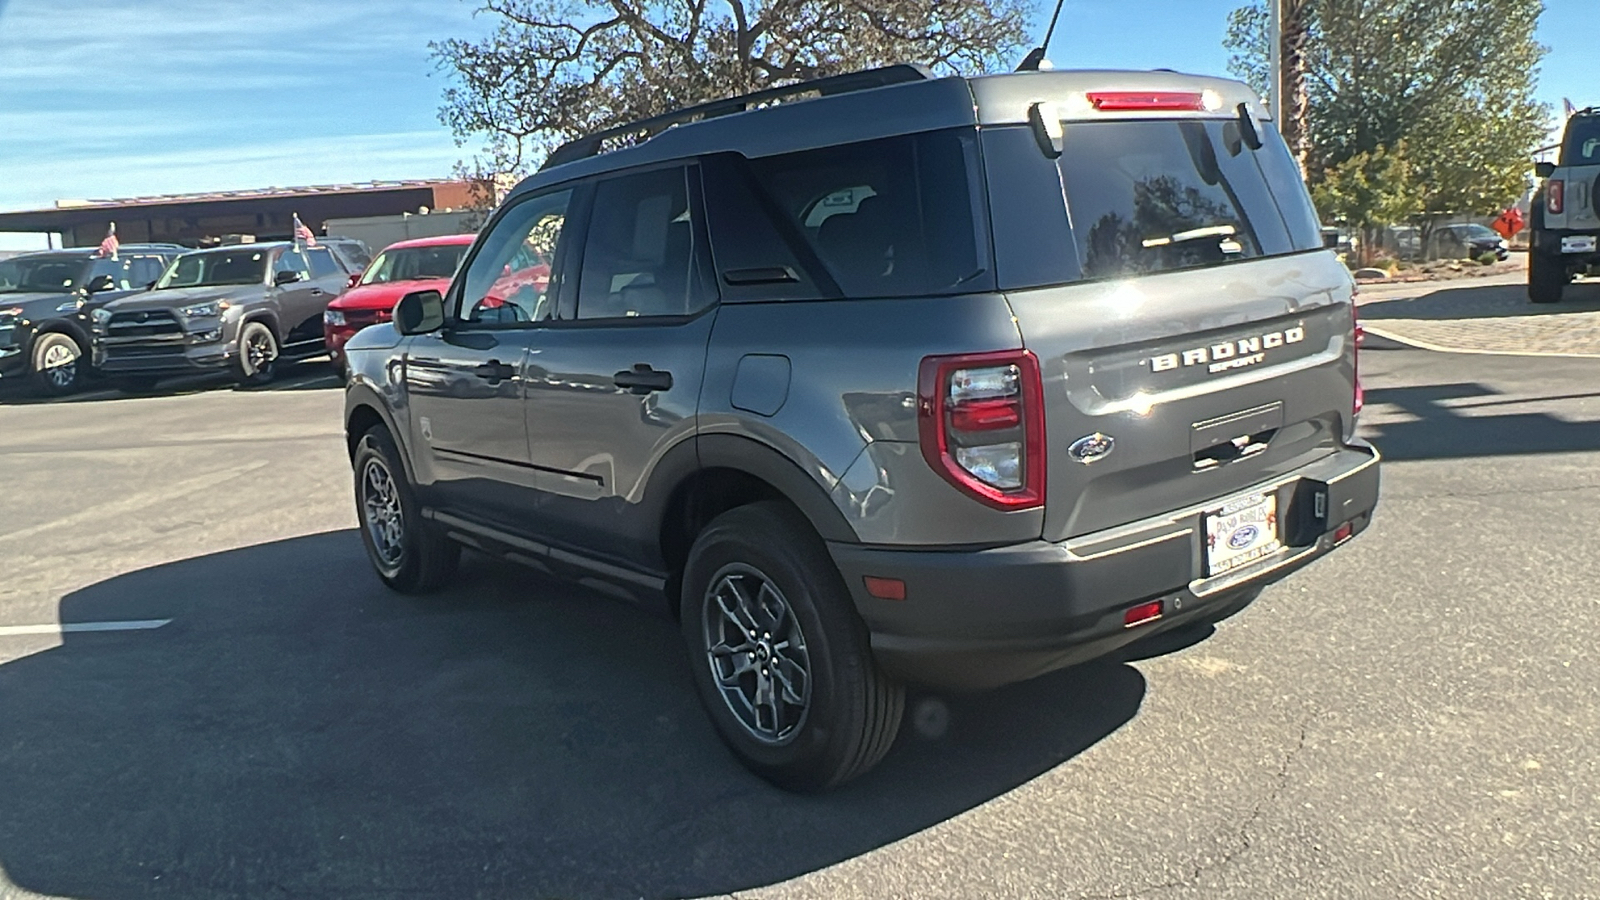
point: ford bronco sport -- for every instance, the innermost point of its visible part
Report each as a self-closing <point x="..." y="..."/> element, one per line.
<point x="1566" y="212"/>
<point x="941" y="381"/>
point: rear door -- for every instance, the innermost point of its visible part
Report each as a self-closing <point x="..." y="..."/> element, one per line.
<point x="1193" y="318"/>
<point x="616" y="384"/>
<point x="467" y="382"/>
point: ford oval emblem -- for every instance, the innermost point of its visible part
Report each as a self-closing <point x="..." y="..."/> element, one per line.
<point x="1241" y="538"/>
<point x="1092" y="447"/>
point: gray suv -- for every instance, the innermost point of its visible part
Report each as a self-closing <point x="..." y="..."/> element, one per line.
<point x="1566" y="211"/>
<point x="238" y="309"/>
<point x="935" y="381"/>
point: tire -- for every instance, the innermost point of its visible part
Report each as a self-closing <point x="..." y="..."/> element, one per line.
<point x="137" y="384"/>
<point x="58" y="365"/>
<point x="1547" y="277"/>
<point x="408" y="553"/>
<point x="257" y="362"/>
<point x="761" y="570"/>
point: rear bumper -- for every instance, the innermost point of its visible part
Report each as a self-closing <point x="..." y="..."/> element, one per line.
<point x="1551" y="241"/>
<point x="976" y="619"/>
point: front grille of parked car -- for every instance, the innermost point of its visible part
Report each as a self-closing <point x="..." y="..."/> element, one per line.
<point x="144" y="323"/>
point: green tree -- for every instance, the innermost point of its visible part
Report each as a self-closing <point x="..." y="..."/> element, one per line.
<point x="1369" y="191"/>
<point x="553" y="70"/>
<point x="1453" y="79"/>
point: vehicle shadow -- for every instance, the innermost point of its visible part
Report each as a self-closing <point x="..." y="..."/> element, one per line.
<point x="298" y="730"/>
<point x="313" y="374"/>
<point x="1488" y="301"/>
<point x="1450" y="422"/>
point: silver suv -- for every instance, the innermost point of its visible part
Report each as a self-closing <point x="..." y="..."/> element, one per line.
<point x="884" y="379"/>
<point x="1566" y="211"/>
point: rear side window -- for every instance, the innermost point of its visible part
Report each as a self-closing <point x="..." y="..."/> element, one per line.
<point x="1582" y="146"/>
<point x="1162" y="195"/>
<point x="887" y="218"/>
<point x="322" y="262"/>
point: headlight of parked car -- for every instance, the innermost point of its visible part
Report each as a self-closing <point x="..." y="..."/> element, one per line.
<point x="205" y="310"/>
<point x="332" y="317"/>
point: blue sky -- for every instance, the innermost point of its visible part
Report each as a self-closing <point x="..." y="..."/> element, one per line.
<point x="117" y="98"/>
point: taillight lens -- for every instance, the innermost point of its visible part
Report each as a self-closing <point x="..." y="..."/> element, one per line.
<point x="981" y="423"/>
<point x="1556" y="196"/>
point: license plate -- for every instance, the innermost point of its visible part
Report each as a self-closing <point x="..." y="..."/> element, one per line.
<point x="1241" y="532"/>
<point x="1580" y="243"/>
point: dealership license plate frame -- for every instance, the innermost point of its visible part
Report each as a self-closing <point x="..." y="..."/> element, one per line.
<point x="1229" y="521"/>
<point x="1580" y="243"/>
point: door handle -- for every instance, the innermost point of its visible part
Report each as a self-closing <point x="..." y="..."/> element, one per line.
<point x="641" y="379"/>
<point x="494" y="371"/>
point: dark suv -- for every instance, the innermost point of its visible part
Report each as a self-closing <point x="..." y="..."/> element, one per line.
<point x="239" y="309"/>
<point x="1565" y="239"/>
<point x="938" y="381"/>
<point x="42" y="337"/>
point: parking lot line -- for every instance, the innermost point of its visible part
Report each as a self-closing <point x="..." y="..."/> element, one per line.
<point x="59" y="628"/>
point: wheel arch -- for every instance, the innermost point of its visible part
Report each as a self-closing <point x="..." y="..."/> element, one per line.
<point x="62" y="326"/>
<point x="364" y="409"/>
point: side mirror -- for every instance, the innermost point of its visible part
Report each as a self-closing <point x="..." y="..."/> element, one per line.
<point x="419" y="312"/>
<point x="1544" y="169"/>
<point x="282" y="278"/>
<point x="100" y="283"/>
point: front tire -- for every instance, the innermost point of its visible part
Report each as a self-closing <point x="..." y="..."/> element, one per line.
<point x="57" y="364"/>
<point x="1547" y="277"/>
<point x="258" y="355"/>
<point x="408" y="553"/>
<point x="781" y="660"/>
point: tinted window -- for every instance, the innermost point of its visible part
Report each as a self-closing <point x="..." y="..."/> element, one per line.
<point x="49" y="274"/>
<point x="1582" y="144"/>
<point x="887" y="218"/>
<point x="120" y="270"/>
<point x="292" y="260"/>
<point x="322" y="262"/>
<point x="512" y="278"/>
<point x="1154" y="196"/>
<point x="639" y="257"/>
<point x="146" y="269"/>
<point x="216" y="267"/>
<point x="415" y="264"/>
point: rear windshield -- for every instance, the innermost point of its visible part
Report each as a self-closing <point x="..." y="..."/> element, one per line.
<point x="1160" y="195"/>
<point x="1582" y="146"/>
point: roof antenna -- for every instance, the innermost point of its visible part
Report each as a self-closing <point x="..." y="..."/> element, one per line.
<point x="1031" y="62"/>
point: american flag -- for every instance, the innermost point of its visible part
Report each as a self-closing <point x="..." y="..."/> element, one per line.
<point x="108" y="247"/>
<point x="302" y="233"/>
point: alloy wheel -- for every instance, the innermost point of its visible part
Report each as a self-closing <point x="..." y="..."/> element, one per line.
<point x="757" y="653"/>
<point x="60" y="365"/>
<point x="381" y="512"/>
<point x="258" y="350"/>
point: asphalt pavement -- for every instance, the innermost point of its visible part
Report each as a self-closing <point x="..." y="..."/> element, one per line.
<point x="1415" y="715"/>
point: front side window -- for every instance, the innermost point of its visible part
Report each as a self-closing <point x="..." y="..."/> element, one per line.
<point x="1160" y="195"/>
<point x="887" y="218"/>
<point x="512" y="279"/>
<point x="216" y="267"/>
<point x="639" y="259"/>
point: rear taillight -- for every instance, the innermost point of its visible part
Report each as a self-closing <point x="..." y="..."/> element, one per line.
<point x="981" y="422"/>
<point x="1555" y="199"/>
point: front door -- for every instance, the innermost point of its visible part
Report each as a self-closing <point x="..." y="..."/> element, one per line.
<point x="616" y="384"/>
<point x="296" y="300"/>
<point x="466" y="382"/>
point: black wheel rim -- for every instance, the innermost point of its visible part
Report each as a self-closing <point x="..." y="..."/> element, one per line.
<point x="258" y="351"/>
<point x="757" y="653"/>
<point x="59" y="364"/>
<point x="381" y="512"/>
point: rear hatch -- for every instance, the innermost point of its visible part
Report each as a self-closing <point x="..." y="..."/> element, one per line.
<point x="1194" y="318"/>
<point x="1570" y="194"/>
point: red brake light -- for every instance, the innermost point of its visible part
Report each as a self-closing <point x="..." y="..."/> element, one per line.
<point x="981" y="424"/>
<point x="1144" y="612"/>
<point x="1556" y="196"/>
<point x="1186" y="101"/>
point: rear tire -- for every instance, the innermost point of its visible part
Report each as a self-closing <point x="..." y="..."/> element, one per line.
<point x="57" y="364"/>
<point x="781" y="660"/>
<point x="257" y="362"/>
<point x="1547" y="277"/>
<point x="408" y="553"/>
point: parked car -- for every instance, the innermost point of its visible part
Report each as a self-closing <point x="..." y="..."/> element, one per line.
<point x="414" y="265"/>
<point x="847" y="384"/>
<point x="353" y="253"/>
<point x="241" y="308"/>
<point x="1467" y="241"/>
<point x="41" y="337"/>
<point x="1565" y="220"/>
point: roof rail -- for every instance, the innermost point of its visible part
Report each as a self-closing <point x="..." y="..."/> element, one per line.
<point x="593" y="144"/>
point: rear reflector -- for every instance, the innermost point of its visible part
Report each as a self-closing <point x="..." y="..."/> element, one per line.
<point x="885" y="588"/>
<point x="1144" y="612"/>
<point x="1185" y="101"/>
<point x="1343" y="532"/>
